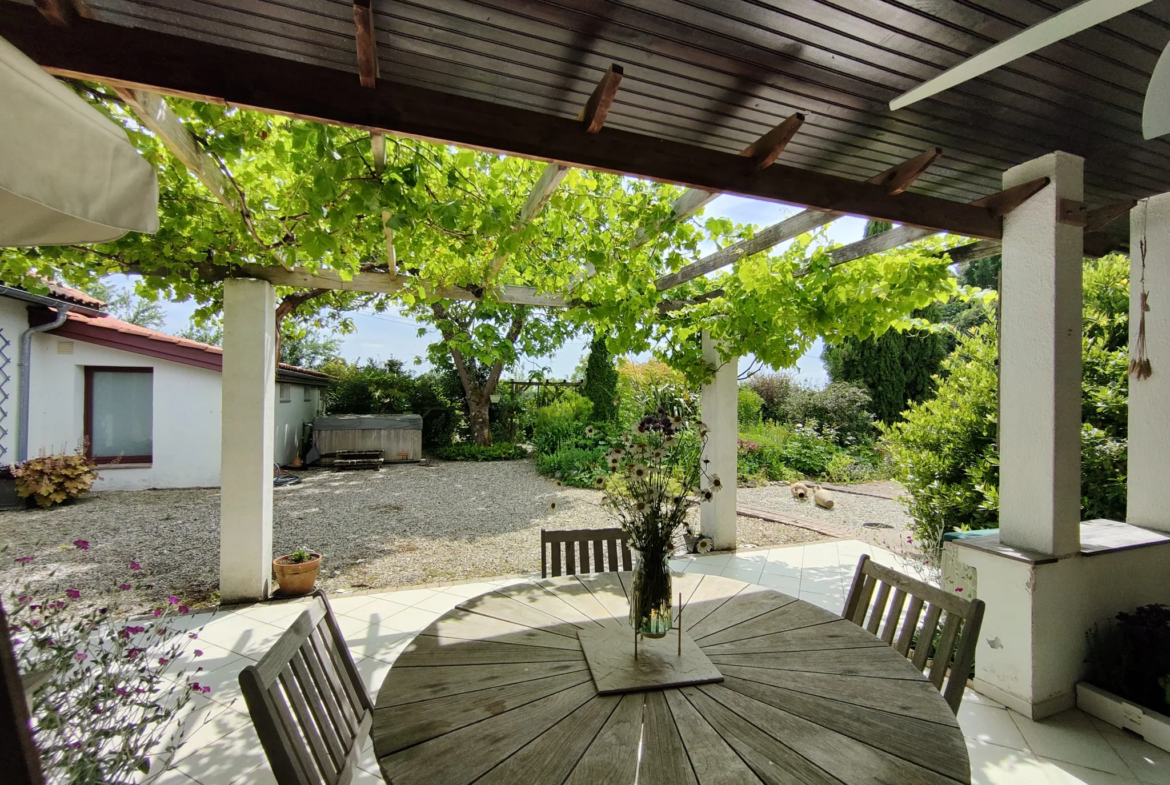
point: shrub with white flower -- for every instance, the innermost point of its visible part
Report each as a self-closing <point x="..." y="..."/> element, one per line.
<point x="109" y="687"/>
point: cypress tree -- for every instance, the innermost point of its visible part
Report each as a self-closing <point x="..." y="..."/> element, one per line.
<point x="601" y="380"/>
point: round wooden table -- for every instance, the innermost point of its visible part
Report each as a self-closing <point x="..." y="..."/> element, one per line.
<point x="498" y="691"/>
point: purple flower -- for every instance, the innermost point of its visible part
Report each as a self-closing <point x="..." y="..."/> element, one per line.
<point x="173" y="600"/>
<point x="198" y="653"/>
<point x="133" y="653"/>
<point x="193" y="635"/>
<point x="24" y="559"/>
<point x="82" y="545"/>
<point x="73" y="594"/>
<point x="125" y="586"/>
<point x="184" y="609"/>
<point x="157" y="613"/>
<point x="135" y="565"/>
<point x="81" y="656"/>
<point x="24" y="598"/>
<point x="163" y="660"/>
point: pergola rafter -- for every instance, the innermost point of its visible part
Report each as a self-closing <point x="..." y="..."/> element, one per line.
<point x="894" y="180"/>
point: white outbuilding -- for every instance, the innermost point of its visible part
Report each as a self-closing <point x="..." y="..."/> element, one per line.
<point x="146" y="405"/>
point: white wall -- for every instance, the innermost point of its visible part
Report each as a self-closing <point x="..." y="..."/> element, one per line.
<point x="13" y="323"/>
<point x="1031" y="648"/>
<point x="290" y="419"/>
<point x="186" y="414"/>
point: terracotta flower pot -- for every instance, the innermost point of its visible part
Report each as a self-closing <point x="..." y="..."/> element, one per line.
<point x="296" y="579"/>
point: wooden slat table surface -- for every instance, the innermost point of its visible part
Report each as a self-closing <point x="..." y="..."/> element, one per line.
<point x="497" y="691"/>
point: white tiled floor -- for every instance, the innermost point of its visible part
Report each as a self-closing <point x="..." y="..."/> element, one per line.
<point x="1005" y="747"/>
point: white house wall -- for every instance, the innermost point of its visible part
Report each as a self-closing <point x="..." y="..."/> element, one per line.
<point x="290" y="419"/>
<point x="13" y="323"/>
<point x="186" y="414"/>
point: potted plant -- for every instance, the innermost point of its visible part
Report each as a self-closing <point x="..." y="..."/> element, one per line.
<point x="297" y="572"/>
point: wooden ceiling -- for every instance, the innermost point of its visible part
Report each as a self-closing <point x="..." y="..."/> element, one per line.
<point x="713" y="74"/>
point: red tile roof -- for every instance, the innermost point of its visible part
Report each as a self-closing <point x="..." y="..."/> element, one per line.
<point x="117" y="334"/>
<point x="75" y="296"/>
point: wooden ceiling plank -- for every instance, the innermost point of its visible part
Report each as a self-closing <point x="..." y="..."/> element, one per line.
<point x="154" y="113"/>
<point x="367" y="47"/>
<point x="140" y="58"/>
<point x="598" y="106"/>
<point x="898" y="177"/>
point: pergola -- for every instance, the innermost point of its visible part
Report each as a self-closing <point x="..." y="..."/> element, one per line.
<point x="784" y="101"/>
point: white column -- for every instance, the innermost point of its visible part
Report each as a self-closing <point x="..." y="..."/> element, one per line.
<point x="720" y="411"/>
<point x="249" y="382"/>
<point x="1148" y="502"/>
<point x="1040" y="363"/>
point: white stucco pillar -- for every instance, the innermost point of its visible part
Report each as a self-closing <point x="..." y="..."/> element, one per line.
<point x="1040" y="363"/>
<point x="249" y="387"/>
<point x="720" y="411"/>
<point x="1148" y="498"/>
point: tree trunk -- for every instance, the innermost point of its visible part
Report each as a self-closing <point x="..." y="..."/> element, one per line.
<point x="477" y="409"/>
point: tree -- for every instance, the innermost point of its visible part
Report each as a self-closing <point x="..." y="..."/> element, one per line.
<point x="306" y="347"/>
<point x="898" y="367"/>
<point x="209" y="332"/>
<point x="601" y="381"/>
<point x="309" y="195"/>
<point x="128" y="305"/>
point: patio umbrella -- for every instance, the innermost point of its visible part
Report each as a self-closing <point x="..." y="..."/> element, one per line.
<point x="67" y="173"/>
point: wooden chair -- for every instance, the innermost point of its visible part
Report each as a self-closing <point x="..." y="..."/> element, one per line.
<point x="576" y="543"/>
<point x="881" y="613"/>
<point x="308" y="703"/>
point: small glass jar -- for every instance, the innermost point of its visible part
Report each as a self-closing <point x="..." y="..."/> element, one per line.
<point x="650" y="609"/>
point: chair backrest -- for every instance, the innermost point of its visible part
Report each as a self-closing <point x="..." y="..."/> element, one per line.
<point x="878" y="602"/>
<point x="308" y="703"/>
<point x="576" y="542"/>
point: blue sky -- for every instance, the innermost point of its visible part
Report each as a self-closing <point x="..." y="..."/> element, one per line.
<point x="389" y="334"/>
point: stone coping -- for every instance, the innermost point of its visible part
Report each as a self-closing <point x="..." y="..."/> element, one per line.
<point x="1097" y="537"/>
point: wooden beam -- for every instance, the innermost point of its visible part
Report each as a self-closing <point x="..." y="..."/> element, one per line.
<point x="666" y="306"/>
<point x="378" y="151"/>
<point x="1002" y="203"/>
<point x="59" y="12"/>
<point x="999" y="203"/>
<point x="974" y="251"/>
<point x="902" y="176"/>
<point x="542" y="191"/>
<point x="768" y="147"/>
<point x="367" y="46"/>
<point x="1075" y="213"/>
<point x="899" y="176"/>
<point x="162" y="62"/>
<point x="764" y="150"/>
<point x="154" y="113"/>
<point x="598" y="106"/>
<point x="766" y="238"/>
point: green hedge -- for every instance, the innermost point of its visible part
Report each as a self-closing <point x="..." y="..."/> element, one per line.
<point x="467" y="451"/>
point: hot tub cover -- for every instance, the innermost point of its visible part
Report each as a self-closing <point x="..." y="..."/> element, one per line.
<point x="369" y="422"/>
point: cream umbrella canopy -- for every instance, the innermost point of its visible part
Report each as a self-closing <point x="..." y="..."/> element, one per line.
<point x="67" y="173"/>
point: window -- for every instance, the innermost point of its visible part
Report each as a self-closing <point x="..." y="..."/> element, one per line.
<point x="308" y="394"/>
<point x="119" y="414"/>
<point x="285" y="392"/>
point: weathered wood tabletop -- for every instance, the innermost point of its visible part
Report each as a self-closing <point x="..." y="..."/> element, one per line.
<point x="498" y="691"/>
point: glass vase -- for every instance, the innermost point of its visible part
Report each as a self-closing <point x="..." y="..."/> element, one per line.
<point x="650" y="605"/>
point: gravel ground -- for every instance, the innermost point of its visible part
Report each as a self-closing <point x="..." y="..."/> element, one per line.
<point x="850" y="510"/>
<point x="403" y="525"/>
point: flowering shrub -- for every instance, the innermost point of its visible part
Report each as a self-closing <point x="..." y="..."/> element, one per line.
<point x="51" y="479"/>
<point x="110" y="686"/>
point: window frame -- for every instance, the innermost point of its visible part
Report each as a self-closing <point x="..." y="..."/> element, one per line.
<point x="280" y="389"/>
<point x="90" y="370"/>
<point x="308" y="394"/>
